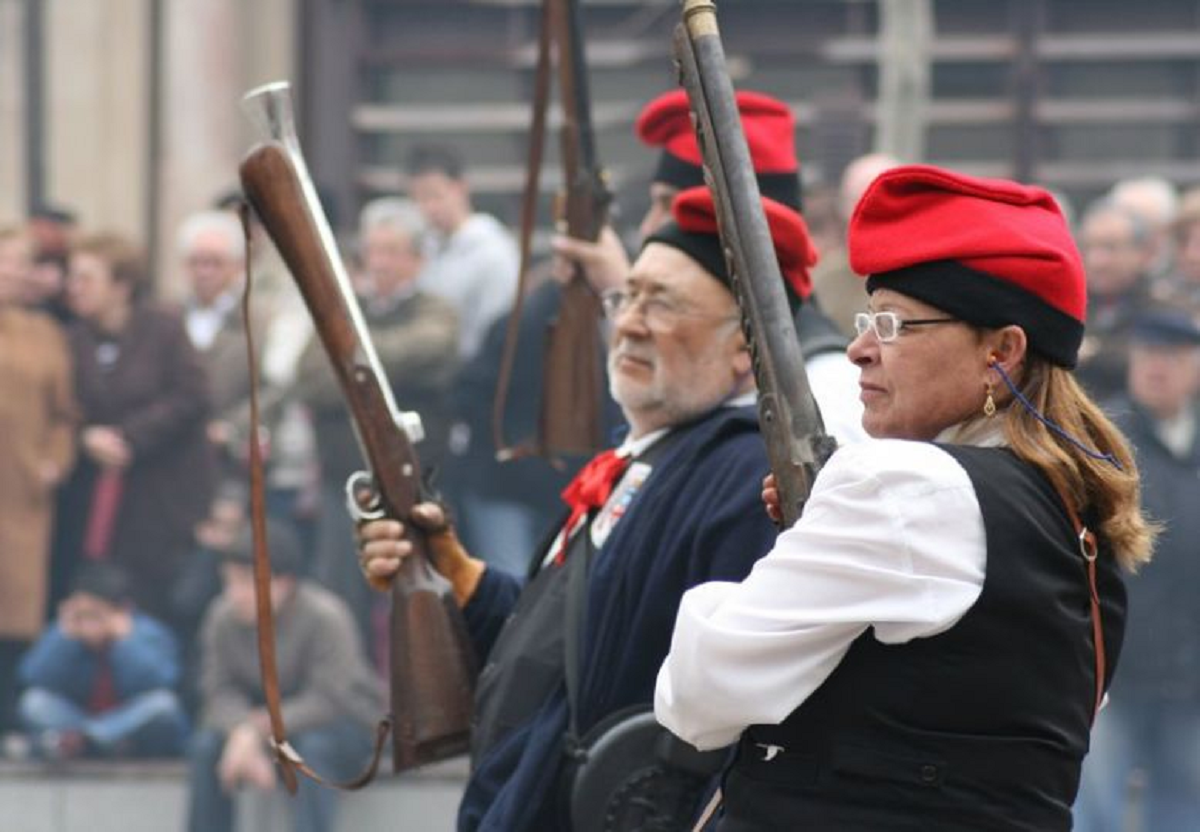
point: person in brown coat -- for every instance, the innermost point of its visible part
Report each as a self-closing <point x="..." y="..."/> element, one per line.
<point x="145" y="473"/>
<point x="37" y="420"/>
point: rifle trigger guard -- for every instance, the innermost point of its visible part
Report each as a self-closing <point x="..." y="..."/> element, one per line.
<point x="356" y="483"/>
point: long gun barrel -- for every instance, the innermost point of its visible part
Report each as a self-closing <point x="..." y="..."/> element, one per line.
<point x="572" y="382"/>
<point x="572" y="376"/>
<point x="790" y="420"/>
<point x="431" y="657"/>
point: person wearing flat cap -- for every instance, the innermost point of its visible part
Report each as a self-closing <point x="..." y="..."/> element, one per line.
<point x="1150" y="729"/>
<point x="676" y="504"/>
<point x="919" y="650"/>
<point x="330" y="700"/>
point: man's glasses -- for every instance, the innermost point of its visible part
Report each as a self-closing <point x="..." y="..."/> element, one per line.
<point x="660" y="312"/>
<point x="887" y="326"/>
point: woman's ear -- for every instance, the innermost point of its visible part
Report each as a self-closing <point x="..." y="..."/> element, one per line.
<point x="1007" y="349"/>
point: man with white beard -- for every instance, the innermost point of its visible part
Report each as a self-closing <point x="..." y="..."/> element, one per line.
<point x="675" y="505"/>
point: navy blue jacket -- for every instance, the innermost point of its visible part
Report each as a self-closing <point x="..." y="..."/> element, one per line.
<point x="1162" y="657"/>
<point x="145" y="660"/>
<point x="697" y="518"/>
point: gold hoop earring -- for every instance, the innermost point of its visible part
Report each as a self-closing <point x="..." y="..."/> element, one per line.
<point x="989" y="404"/>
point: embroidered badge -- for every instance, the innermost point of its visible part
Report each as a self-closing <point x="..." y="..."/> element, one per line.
<point x="618" y="504"/>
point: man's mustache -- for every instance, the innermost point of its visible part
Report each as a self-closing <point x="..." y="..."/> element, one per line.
<point x="633" y="352"/>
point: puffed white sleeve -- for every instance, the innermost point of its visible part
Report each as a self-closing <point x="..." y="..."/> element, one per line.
<point x="892" y="538"/>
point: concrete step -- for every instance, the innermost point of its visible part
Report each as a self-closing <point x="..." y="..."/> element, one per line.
<point x="87" y="796"/>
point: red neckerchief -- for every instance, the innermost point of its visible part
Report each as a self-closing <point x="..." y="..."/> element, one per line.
<point x="589" y="490"/>
<point x="103" y="695"/>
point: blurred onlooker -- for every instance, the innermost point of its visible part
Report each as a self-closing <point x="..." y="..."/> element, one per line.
<point x="1182" y="287"/>
<point x="144" y="475"/>
<point x="100" y="681"/>
<point x="839" y="288"/>
<point x="212" y="251"/>
<point x="1117" y="246"/>
<point x="1156" y="201"/>
<point x="330" y="699"/>
<point x="51" y="229"/>
<point x="37" y="443"/>
<point x="1143" y="769"/>
<point x="415" y="335"/>
<point x="506" y="507"/>
<point x="470" y="258"/>
<point x="199" y="580"/>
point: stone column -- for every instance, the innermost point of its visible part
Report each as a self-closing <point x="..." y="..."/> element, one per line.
<point x="214" y="51"/>
<point x="96" y="116"/>
<point x="99" y="114"/>
<point x="12" y="114"/>
<point x="906" y="33"/>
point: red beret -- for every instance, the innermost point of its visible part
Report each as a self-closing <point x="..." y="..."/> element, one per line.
<point x="693" y="230"/>
<point x="770" y="132"/>
<point x="989" y="251"/>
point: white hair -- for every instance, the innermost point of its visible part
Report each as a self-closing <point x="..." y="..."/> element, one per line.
<point x="1151" y="196"/>
<point x="393" y="212"/>
<point x="223" y="223"/>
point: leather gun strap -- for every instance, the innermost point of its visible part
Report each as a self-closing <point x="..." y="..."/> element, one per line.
<point x="262" y="563"/>
<point x="533" y="170"/>
<point x="288" y="760"/>
<point x="1088" y="548"/>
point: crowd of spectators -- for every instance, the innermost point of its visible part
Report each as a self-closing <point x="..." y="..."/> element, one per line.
<point x="125" y="608"/>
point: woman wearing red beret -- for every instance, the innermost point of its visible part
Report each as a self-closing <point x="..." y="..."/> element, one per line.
<point x="920" y="650"/>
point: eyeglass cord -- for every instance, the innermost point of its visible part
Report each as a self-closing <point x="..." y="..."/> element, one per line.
<point x="1028" y="405"/>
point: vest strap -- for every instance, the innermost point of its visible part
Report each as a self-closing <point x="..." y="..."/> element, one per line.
<point x="1088" y="548"/>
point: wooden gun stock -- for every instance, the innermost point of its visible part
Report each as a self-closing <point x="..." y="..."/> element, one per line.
<point x="432" y="661"/>
<point x="790" y="420"/>
<point x="572" y="369"/>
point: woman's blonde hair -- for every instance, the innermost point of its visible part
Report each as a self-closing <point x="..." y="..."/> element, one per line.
<point x="1108" y="495"/>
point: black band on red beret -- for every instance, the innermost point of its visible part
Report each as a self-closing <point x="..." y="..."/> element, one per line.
<point x="987" y="301"/>
<point x="677" y="172"/>
<point x="782" y="187"/>
<point x="705" y="249"/>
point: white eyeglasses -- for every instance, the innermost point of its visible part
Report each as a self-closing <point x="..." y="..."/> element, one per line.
<point x="887" y="326"/>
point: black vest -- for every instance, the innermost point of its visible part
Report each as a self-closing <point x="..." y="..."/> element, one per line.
<point x="982" y="727"/>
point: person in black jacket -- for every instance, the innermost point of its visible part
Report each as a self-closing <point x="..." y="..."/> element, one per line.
<point x="1144" y="762"/>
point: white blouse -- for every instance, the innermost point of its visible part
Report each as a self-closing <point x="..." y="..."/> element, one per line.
<point x="892" y="539"/>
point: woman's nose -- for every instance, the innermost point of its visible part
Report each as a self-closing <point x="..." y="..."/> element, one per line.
<point x="863" y="349"/>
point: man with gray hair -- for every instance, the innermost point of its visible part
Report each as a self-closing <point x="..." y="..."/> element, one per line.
<point x="212" y="252"/>
<point x="1117" y="248"/>
<point x="1156" y="201"/>
<point x="416" y="337"/>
